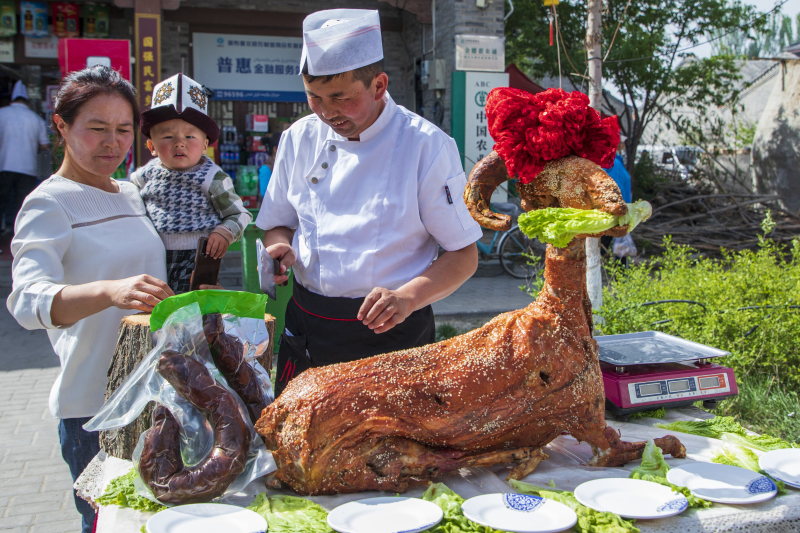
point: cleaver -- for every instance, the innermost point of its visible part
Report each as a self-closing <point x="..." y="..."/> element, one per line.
<point x="267" y="266"/>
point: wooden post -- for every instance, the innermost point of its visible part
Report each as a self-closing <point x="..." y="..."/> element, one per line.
<point x="594" y="36"/>
<point x="133" y="344"/>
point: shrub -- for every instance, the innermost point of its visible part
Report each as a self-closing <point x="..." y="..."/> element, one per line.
<point x="746" y="302"/>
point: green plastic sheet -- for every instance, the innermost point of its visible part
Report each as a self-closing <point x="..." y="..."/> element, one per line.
<point x="243" y="304"/>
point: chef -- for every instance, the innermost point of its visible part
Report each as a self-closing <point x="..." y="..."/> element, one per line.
<point x="363" y="193"/>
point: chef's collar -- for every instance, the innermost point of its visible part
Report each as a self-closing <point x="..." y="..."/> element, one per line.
<point x="380" y="123"/>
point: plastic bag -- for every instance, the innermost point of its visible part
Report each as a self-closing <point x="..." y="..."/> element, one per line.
<point x="625" y="247"/>
<point x="183" y="332"/>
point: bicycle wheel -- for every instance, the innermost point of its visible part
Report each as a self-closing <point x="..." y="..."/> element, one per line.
<point x="520" y="256"/>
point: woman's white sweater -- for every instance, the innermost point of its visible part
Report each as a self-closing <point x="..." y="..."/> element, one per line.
<point x="68" y="233"/>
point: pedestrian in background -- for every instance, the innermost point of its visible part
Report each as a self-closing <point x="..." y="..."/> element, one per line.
<point x="86" y="255"/>
<point x="22" y="134"/>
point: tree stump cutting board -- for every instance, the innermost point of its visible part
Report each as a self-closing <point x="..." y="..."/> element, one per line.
<point x="133" y="344"/>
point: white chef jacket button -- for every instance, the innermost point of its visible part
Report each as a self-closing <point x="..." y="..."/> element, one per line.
<point x="332" y="148"/>
<point x="324" y="165"/>
<point x="314" y="180"/>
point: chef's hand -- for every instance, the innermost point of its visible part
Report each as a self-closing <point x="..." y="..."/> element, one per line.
<point x="384" y="309"/>
<point x="283" y="253"/>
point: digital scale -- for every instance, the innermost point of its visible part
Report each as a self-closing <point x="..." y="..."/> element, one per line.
<point x="648" y="370"/>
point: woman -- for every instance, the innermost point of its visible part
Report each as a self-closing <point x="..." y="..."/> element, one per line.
<point x="85" y="254"/>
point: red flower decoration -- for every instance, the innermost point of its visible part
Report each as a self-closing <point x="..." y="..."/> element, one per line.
<point x="530" y="130"/>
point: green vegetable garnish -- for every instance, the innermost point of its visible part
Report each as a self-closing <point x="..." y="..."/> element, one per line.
<point x="655" y="413"/>
<point x="744" y="458"/>
<point x="589" y="520"/>
<point x="454" y="520"/>
<point x="558" y="226"/>
<point x="713" y="428"/>
<point x="762" y="443"/>
<point x="654" y="468"/>
<point x="122" y="492"/>
<point x="291" y="514"/>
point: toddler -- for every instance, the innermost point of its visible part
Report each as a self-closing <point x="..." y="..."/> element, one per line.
<point x="186" y="194"/>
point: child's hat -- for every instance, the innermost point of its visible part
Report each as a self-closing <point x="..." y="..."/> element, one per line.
<point x="183" y="98"/>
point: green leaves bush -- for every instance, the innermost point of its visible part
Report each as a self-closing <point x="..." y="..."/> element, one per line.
<point x="763" y="339"/>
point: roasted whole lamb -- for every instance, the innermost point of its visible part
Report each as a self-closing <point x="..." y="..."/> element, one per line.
<point x="498" y="394"/>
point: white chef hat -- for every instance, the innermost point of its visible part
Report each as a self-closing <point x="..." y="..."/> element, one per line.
<point x="338" y="40"/>
<point x="20" y="91"/>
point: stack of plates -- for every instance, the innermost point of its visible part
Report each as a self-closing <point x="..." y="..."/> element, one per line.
<point x="723" y="483"/>
<point x="783" y="465"/>
<point x="631" y="498"/>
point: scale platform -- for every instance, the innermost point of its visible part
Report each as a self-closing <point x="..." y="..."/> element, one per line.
<point x="648" y="370"/>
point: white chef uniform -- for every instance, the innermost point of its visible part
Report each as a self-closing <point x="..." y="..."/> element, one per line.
<point x="368" y="213"/>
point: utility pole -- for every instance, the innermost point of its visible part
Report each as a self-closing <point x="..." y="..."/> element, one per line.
<point x="594" y="278"/>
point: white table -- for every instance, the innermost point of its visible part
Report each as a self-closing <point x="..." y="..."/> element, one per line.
<point x="565" y="466"/>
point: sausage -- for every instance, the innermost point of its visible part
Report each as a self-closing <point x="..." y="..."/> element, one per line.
<point x="161" y="466"/>
<point x="228" y="355"/>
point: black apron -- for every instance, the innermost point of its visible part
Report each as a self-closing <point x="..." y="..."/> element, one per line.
<point x="323" y="330"/>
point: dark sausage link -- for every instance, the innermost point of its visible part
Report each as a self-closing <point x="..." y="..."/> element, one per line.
<point x="161" y="466"/>
<point x="228" y="355"/>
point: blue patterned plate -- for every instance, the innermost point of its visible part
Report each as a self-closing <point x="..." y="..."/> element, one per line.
<point x="723" y="483"/>
<point x="783" y="465"/>
<point x="631" y="498"/>
<point x="519" y="513"/>
<point x="385" y="515"/>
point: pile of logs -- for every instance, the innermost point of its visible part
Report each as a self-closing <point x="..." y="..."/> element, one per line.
<point x="708" y="221"/>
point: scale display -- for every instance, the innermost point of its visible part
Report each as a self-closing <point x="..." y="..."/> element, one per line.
<point x="671" y="389"/>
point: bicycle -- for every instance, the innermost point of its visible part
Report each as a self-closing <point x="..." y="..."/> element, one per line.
<point x="520" y="256"/>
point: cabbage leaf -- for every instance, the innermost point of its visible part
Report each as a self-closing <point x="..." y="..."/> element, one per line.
<point x="654" y="468"/>
<point x="454" y="520"/>
<point x="744" y="458"/>
<point x="559" y="225"/>
<point x="122" y="492"/>
<point x="291" y="514"/>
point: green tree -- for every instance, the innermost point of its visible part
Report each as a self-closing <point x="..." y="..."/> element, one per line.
<point x="647" y="63"/>
<point x="772" y="37"/>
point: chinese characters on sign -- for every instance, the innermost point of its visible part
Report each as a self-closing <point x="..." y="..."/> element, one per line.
<point x="483" y="53"/>
<point x="41" y="46"/>
<point x="477" y="141"/>
<point x="241" y="67"/>
<point x="148" y="68"/>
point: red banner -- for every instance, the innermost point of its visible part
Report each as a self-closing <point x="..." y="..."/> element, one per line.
<point x="148" y="69"/>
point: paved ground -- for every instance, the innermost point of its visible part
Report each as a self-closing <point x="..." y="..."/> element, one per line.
<point x="35" y="484"/>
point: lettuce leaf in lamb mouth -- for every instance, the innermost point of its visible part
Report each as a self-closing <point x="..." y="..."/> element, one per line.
<point x="559" y="225"/>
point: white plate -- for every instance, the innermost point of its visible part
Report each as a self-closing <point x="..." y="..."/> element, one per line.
<point x="723" y="483"/>
<point x="783" y="465"/>
<point x="206" y="518"/>
<point x="631" y="498"/>
<point x="519" y="513"/>
<point x="385" y="515"/>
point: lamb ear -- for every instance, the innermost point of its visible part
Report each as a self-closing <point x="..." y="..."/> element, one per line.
<point x="487" y="175"/>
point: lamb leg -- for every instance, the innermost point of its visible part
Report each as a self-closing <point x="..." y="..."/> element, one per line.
<point x="610" y="450"/>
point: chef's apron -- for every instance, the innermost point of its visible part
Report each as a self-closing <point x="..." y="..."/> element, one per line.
<point x="324" y="330"/>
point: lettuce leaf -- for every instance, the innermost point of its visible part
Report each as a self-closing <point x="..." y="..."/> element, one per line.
<point x="291" y="514"/>
<point x="589" y="520"/>
<point x="713" y="428"/>
<point x="654" y="468"/>
<point x="762" y="443"/>
<point x="559" y="225"/>
<point x="454" y="520"/>
<point x="122" y="492"/>
<point x="655" y="413"/>
<point x="744" y="458"/>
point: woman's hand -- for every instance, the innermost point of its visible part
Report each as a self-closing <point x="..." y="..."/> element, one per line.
<point x="141" y="292"/>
